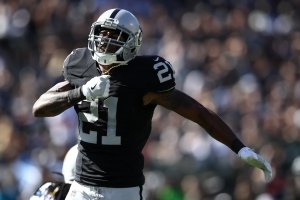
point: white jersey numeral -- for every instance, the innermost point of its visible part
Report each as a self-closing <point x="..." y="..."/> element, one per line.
<point x="91" y="136"/>
<point x="163" y="71"/>
<point x="111" y="137"/>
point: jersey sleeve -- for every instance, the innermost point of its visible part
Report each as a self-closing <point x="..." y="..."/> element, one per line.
<point x="162" y="75"/>
<point x="79" y="67"/>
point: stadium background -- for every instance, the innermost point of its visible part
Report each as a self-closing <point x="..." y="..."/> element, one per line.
<point x="240" y="58"/>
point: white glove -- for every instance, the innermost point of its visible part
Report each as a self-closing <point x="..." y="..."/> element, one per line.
<point x="97" y="87"/>
<point x="252" y="158"/>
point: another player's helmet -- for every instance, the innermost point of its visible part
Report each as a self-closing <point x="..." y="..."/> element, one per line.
<point x="51" y="191"/>
<point x="127" y="27"/>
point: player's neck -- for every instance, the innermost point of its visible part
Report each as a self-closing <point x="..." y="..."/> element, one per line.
<point x="105" y="69"/>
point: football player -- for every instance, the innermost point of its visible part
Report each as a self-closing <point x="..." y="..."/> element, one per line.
<point x="57" y="190"/>
<point x="114" y="92"/>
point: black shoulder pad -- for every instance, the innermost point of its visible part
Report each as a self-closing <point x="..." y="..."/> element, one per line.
<point x="79" y="67"/>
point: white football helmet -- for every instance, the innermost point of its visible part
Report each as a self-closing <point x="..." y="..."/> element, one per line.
<point x="127" y="27"/>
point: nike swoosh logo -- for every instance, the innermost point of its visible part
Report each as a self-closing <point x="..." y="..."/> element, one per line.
<point x="93" y="87"/>
<point x="156" y="59"/>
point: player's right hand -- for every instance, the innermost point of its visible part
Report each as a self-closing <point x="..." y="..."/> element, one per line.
<point x="97" y="87"/>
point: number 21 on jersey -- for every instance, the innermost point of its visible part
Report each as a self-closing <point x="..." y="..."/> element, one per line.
<point x="88" y="118"/>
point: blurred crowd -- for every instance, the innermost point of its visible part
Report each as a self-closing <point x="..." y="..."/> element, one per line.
<point x="239" y="58"/>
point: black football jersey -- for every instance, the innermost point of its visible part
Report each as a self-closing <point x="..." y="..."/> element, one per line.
<point x="113" y="131"/>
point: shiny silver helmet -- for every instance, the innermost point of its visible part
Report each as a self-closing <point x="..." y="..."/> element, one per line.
<point x="107" y="50"/>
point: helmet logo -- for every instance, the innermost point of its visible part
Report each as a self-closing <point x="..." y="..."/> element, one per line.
<point x="111" y="22"/>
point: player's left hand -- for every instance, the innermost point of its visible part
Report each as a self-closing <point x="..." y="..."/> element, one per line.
<point x="252" y="158"/>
